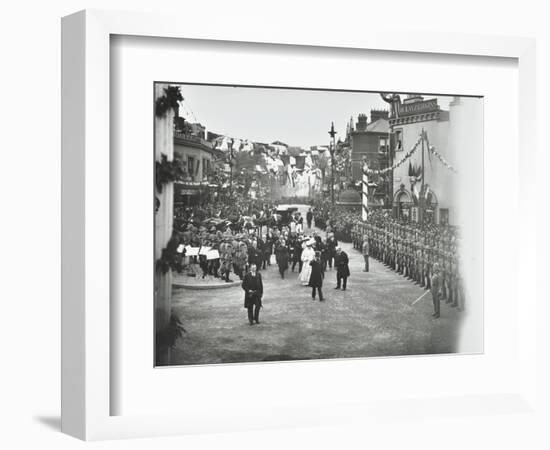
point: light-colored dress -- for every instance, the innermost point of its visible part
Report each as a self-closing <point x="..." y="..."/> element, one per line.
<point x="307" y="255"/>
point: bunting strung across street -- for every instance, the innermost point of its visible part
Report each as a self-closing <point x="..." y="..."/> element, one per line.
<point x="443" y="160"/>
<point x="396" y="164"/>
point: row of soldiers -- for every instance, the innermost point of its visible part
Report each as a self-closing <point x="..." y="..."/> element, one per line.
<point x="413" y="251"/>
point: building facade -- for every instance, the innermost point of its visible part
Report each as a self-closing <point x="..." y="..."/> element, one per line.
<point x="199" y="157"/>
<point x="371" y="141"/>
<point x="423" y="189"/>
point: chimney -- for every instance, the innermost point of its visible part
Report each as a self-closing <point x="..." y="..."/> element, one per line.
<point x="361" y="122"/>
<point x="376" y="114"/>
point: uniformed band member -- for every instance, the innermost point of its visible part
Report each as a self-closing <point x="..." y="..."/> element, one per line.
<point x="317" y="275"/>
<point x="253" y="292"/>
<point x="341" y="262"/>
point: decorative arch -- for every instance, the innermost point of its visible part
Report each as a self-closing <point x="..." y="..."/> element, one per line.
<point x="434" y="199"/>
<point x="402" y="195"/>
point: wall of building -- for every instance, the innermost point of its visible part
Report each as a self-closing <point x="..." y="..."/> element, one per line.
<point x="198" y="154"/>
<point x="435" y="174"/>
<point x="366" y="144"/>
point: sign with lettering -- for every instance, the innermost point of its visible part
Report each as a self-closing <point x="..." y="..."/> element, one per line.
<point x="188" y="192"/>
<point x="409" y="109"/>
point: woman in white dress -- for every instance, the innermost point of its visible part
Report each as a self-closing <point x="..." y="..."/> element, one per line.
<point x="307" y="255"/>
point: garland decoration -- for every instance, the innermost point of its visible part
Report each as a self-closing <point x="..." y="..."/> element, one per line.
<point x="396" y="164"/>
<point x="168" y="171"/>
<point x="171" y="98"/>
<point x="442" y="159"/>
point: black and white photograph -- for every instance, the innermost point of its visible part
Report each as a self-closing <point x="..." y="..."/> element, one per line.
<point x="302" y="224"/>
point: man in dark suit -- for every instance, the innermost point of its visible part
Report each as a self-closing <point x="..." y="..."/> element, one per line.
<point x="282" y="256"/>
<point x="254" y="255"/>
<point x="317" y="275"/>
<point x="309" y="218"/>
<point x="253" y="292"/>
<point x="341" y="262"/>
<point x="332" y="243"/>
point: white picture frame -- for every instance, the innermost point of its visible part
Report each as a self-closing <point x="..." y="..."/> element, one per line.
<point x="86" y="383"/>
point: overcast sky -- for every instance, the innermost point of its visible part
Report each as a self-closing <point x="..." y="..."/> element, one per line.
<point x="296" y="117"/>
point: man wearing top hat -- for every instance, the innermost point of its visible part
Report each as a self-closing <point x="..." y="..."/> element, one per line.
<point x="332" y="243"/>
<point x="296" y="252"/>
<point x="253" y="292"/>
<point x="316" y="277"/>
<point x="341" y="262"/>
<point x="282" y="256"/>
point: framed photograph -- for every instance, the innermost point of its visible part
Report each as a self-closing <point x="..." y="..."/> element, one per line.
<point x="247" y="215"/>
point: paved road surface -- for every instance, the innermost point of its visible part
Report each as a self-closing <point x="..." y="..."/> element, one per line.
<point x="374" y="317"/>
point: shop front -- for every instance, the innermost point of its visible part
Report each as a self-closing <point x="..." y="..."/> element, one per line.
<point x="194" y="193"/>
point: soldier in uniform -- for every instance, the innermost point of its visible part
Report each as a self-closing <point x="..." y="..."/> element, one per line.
<point x="422" y="265"/>
<point x="436" y="291"/>
<point x="428" y="267"/>
<point x="241" y="259"/>
<point x="365" y="252"/>
<point x="226" y="256"/>
<point x="448" y="277"/>
<point x="398" y="256"/>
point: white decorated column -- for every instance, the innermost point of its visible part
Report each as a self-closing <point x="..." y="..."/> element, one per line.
<point x="164" y="145"/>
<point x="365" y="193"/>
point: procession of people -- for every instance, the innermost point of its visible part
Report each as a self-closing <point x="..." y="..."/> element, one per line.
<point x="229" y="241"/>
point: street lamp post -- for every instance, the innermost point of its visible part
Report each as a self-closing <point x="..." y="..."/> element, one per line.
<point x="230" y="145"/>
<point x="332" y="134"/>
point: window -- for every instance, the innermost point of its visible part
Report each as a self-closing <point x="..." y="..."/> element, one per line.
<point x="444" y="216"/>
<point x="191" y="167"/>
<point x="398" y="140"/>
<point x="205" y="168"/>
<point x="383" y="145"/>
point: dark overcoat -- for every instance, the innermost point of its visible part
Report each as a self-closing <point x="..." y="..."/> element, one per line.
<point x="342" y="264"/>
<point x="331" y="246"/>
<point x="253" y="289"/>
<point x="297" y="253"/>
<point x="282" y="256"/>
<point x="317" y="275"/>
<point x="254" y="256"/>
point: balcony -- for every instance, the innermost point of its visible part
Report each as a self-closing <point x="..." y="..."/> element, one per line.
<point x="192" y="141"/>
